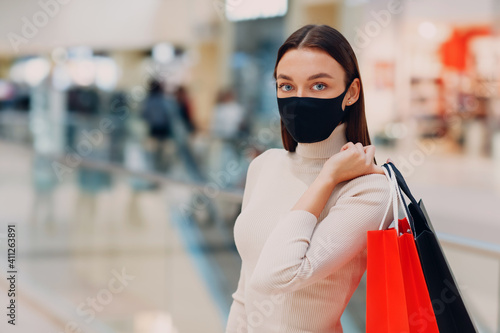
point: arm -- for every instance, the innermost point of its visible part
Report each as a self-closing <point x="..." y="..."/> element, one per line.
<point x="300" y="252"/>
<point x="315" y="197"/>
<point x="237" y="315"/>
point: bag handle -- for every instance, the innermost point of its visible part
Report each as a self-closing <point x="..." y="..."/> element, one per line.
<point x="406" y="190"/>
<point x="394" y="197"/>
<point x="401" y="199"/>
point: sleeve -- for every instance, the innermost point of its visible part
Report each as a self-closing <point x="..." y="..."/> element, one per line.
<point x="300" y="251"/>
<point x="237" y="320"/>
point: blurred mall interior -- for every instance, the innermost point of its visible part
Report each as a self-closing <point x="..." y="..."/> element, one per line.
<point x="99" y="187"/>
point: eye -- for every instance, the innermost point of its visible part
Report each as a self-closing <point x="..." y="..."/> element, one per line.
<point x="285" y="87"/>
<point x="319" y="86"/>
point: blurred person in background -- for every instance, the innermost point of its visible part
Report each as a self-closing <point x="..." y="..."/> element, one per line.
<point x="84" y="138"/>
<point x="167" y="129"/>
<point x="117" y="107"/>
<point x="157" y="111"/>
<point x="225" y="127"/>
<point x="228" y="116"/>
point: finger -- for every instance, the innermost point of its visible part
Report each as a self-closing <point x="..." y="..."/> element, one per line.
<point x="370" y="153"/>
<point x="366" y="147"/>
<point x="359" y="147"/>
<point x="389" y="160"/>
<point x="347" y="146"/>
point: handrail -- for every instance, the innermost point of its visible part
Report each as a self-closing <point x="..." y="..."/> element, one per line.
<point x="484" y="248"/>
<point x="233" y="194"/>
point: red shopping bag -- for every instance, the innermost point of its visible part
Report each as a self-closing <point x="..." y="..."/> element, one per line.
<point x="421" y="316"/>
<point x="396" y="292"/>
<point x="397" y="299"/>
<point x="386" y="309"/>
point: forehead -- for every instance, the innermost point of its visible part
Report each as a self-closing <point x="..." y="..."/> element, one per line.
<point x="302" y="63"/>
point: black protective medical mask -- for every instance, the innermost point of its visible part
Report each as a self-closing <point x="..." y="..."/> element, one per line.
<point x="310" y="119"/>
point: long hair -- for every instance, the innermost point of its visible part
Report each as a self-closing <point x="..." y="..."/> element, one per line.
<point x="334" y="43"/>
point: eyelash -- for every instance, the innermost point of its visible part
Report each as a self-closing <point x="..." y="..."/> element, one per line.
<point x="324" y="84"/>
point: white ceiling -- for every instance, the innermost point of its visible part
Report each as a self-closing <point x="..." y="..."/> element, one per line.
<point x="452" y="11"/>
<point x="105" y="24"/>
<point x="132" y="24"/>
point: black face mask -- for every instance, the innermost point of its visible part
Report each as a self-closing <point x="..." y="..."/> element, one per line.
<point x="310" y="119"/>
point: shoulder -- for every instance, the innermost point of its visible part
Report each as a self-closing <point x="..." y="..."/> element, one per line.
<point x="268" y="157"/>
<point x="374" y="184"/>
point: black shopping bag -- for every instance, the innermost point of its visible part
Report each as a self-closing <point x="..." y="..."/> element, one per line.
<point x="448" y="305"/>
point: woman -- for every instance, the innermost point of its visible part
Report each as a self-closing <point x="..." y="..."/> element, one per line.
<point x="307" y="208"/>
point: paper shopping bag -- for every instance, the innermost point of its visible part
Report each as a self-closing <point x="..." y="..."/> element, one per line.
<point x="385" y="293"/>
<point x="421" y="316"/>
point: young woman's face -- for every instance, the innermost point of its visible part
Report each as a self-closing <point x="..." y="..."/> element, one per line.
<point x="310" y="72"/>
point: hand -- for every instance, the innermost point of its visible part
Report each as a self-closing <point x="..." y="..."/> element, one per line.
<point x="352" y="161"/>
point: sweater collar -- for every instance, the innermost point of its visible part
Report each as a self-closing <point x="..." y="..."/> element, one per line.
<point x="325" y="148"/>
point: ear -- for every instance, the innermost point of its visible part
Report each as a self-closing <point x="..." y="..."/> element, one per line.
<point x="352" y="94"/>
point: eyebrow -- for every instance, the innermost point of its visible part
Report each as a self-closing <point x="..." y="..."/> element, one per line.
<point x="312" y="77"/>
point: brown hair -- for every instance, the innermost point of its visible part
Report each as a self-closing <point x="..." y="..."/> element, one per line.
<point x="334" y="43"/>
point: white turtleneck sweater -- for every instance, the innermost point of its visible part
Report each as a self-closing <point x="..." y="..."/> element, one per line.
<point x="298" y="272"/>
